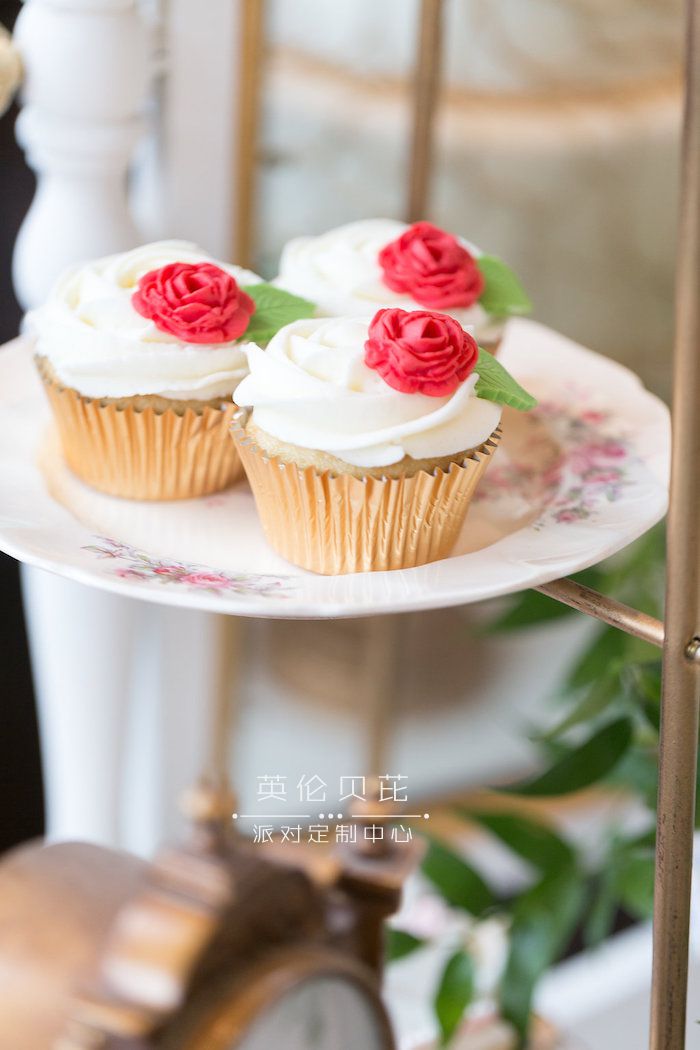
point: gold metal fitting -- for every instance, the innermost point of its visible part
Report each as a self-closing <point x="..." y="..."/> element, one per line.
<point x="692" y="651"/>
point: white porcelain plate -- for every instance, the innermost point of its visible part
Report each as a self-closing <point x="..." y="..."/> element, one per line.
<point x="573" y="482"/>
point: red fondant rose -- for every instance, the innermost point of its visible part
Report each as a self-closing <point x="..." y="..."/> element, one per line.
<point x="432" y="267"/>
<point x="197" y="302"/>
<point x="420" y="352"/>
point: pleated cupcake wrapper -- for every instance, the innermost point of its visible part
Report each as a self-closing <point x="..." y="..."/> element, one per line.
<point x="335" y="524"/>
<point x="144" y="455"/>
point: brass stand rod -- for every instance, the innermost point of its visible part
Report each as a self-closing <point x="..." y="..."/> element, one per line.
<point x="226" y="673"/>
<point x="380" y="674"/>
<point x="681" y="677"/>
<point x="210" y="801"/>
<point x="249" y="86"/>
<point x="425" y="91"/>
<point x="610" y="611"/>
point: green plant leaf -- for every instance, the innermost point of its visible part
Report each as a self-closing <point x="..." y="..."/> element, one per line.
<point x="530" y="839"/>
<point x="457" y="881"/>
<point x="399" y="943"/>
<point x="454" y="994"/>
<point x="581" y="766"/>
<point x="528" y="958"/>
<point x="645" y="679"/>
<point x="274" y="308"/>
<point x="503" y="295"/>
<point x="639" y="772"/>
<point x="496" y="384"/>
<point x="544" y="919"/>
<point x="596" y="699"/>
<point x="600" y="917"/>
<point x="605" y="655"/>
<point x="652" y="713"/>
<point x="636" y="575"/>
<point x="642" y="686"/>
<point x="635" y="881"/>
<point x="646" y="840"/>
<point x="626" y="879"/>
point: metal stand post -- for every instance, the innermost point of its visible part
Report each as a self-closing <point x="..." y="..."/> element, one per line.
<point x="426" y="84"/>
<point x="251" y="53"/>
<point x="681" y="677"/>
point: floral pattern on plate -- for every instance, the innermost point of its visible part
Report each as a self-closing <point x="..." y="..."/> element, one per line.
<point x="594" y="466"/>
<point x="591" y="470"/>
<point x="142" y="566"/>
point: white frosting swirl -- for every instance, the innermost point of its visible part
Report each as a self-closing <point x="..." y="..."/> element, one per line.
<point x="99" y="345"/>
<point x="311" y="388"/>
<point x="340" y="272"/>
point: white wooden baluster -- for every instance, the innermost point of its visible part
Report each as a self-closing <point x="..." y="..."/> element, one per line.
<point x="86" y="74"/>
<point x="81" y="642"/>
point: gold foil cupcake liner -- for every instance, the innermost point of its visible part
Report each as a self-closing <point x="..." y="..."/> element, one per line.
<point x="336" y="524"/>
<point x="144" y="454"/>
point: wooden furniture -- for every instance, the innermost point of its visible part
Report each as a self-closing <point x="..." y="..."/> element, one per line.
<point x="216" y="945"/>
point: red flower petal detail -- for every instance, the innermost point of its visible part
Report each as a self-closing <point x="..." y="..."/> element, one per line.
<point x="432" y="267"/>
<point x="420" y="352"/>
<point x="196" y="302"/>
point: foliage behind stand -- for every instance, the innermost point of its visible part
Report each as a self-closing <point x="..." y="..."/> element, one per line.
<point x="607" y="734"/>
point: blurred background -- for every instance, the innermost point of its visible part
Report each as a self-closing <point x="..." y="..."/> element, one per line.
<point x="556" y="144"/>
<point x="555" y="148"/>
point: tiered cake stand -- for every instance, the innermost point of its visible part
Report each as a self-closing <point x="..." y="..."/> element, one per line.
<point x="573" y="483"/>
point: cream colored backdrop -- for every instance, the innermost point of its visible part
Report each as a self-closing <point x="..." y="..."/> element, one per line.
<point x="556" y="145"/>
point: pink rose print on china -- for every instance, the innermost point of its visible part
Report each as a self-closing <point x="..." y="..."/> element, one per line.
<point x="432" y="267"/>
<point x="142" y="567"/>
<point x="209" y="580"/>
<point x="197" y="302"/>
<point x="420" y="352"/>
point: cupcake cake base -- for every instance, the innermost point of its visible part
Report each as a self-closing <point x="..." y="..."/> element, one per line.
<point x="334" y="524"/>
<point x="138" y="451"/>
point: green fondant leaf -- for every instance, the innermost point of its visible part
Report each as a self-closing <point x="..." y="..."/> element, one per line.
<point x="496" y="384"/>
<point x="503" y="295"/>
<point x="274" y="309"/>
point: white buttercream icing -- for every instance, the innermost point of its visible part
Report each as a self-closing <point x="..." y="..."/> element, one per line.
<point x="311" y="388"/>
<point x="340" y="272"/>
<point x="99" y="345"/>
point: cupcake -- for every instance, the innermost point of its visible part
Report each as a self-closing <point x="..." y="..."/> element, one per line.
<point x="140" y="354"/>
<point x="364" y="441"/>
<point x="356" y="269"/>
